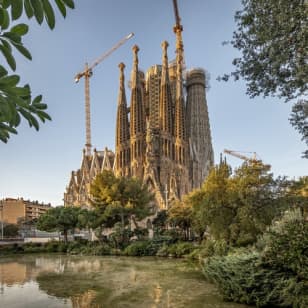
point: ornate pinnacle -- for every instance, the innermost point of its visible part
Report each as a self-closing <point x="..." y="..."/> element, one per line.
<point x="121" y="66"/>
<point x="135" y="51"/>
<point x="164" y="46"/>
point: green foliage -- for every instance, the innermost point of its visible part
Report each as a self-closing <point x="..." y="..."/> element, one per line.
<point x="160" y="222"/>
<point x="178" y="250"/>
<point x="60" y="219"/>
<point x="237" y="207"/>
<point x="275" y="276"/>
<point x="141" y="248"/>
<point x="179" y="216"/>
<point x="272" y="38"/>
<point x="16" y="101"/>
<point x="119" y="199"/>
<point x="10" y="230"/>
<point x="299" y="120"/>
<point x="286" y="245"/>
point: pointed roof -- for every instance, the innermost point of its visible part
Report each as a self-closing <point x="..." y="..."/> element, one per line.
<point x="165" y="101"/>
<point x="122" y="124"/>
<point x="137" y="119"/>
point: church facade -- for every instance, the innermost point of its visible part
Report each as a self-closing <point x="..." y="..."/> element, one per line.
<point x="163" y="137"/>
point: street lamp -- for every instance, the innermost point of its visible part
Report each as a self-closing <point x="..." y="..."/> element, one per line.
<point x="2" y="208"/>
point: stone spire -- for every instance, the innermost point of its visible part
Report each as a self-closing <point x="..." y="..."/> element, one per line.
<point x="122" y="129"/>
<point x="137" y="119"/>
<point x="165" y="103"/>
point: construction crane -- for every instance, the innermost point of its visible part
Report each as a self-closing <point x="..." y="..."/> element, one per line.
<point x="87" y="73"/>
<point x="252" y="159"/>
<point x="178" y="29"/>
<point x="178" y="25"/>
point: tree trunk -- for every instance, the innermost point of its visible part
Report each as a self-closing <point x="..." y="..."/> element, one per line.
<point x="65" y="236"/>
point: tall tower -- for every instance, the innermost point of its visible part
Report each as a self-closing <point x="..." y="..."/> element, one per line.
<point x="181" y="144"/>
<point x="153" y="78"/>
<point x="137" y="120"/>
<point x="122" y="150"/>
<point x="198" y="127"/>
<point x="165" y="107"/>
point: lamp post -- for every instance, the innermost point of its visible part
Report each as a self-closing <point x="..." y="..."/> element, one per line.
<point x="2" y="208"/>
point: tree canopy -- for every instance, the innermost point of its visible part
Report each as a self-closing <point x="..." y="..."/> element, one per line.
<point x="117" y="199"/>
<point x="236" y="207"/>
<point x="62" y="219"/>
<point x="272" y="38"/>
<point x="16" y="101"/>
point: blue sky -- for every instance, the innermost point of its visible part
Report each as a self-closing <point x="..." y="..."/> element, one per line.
<point x="37" y="165"/>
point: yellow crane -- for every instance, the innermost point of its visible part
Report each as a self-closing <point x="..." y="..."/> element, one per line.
<point x="252" y="159"/>
<point x="87" y="73"/>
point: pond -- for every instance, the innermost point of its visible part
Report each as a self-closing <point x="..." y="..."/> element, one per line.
<point x="74" y="281"/>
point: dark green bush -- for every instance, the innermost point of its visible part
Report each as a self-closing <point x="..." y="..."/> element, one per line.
<point x="176" y="250"/>
<point x="141" y="248"/>
<point x="275" y="276"/>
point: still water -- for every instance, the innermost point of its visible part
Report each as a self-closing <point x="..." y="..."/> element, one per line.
<point x="41" y="281"/>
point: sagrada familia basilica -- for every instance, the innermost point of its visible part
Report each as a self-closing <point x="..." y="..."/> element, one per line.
<point x="163" y="137"/>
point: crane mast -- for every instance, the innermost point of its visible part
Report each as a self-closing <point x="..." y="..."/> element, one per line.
<point x="178" y="26"/>
<point x="87" y="73"/>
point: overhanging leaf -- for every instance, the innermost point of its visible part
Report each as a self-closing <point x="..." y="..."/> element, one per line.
<point x="49" y="14"/>
<point x="3" y="71"/>
<point x="20" y="29"/>
<point x="8" y="56"/>
<point x="14" y="37"/>
<point x="37" y="10"/>
<point x="69" y="3"/>
<point x="37" y="100"/>
<point x="6" y="3"/>
<point x="9" y="81"/>
<point x="16" y="9"/>
<point x="23" y="50"/>
<point x="61" y="7"/>
<point x="28" y="8"/>
<point x="4" y="19"/>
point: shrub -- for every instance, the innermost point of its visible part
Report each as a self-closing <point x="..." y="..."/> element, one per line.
<point x="176" y="250"/>
<point x="275" y="276"/>
<point x="32" y="248"/>
<point x="142" y="248"/>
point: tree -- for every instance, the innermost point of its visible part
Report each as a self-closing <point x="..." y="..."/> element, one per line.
<point x="61" y="219"/>
<point x="119" y="199"/>
<point x="237" y="207"/>
<point x="195" y="200"/>
<point x="160" y="222"/>
<point x="216" y="208"/>
<point x="299" y="120"/>
<point x="255" y="196"/>
<point x="179" y="215"/>
<point x="10" y="230"/>
<point x="272" y="36"/>
<point x="16" y="101"/>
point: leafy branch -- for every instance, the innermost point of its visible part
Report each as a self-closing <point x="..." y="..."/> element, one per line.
<point x="16" y="101"/>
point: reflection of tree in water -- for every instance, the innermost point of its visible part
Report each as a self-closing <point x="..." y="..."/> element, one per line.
<point x="81" y="288"/>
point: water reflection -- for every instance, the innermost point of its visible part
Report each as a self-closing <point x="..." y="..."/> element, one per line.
<point x="82" y="282"/>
